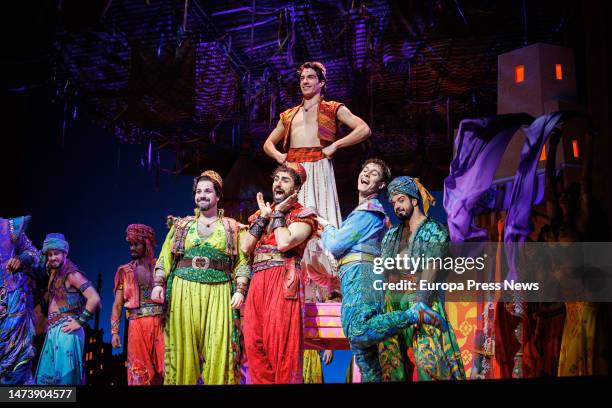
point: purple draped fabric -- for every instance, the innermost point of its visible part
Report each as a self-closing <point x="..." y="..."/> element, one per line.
<point x="518" y="221"/>
<point x="480" y="145"/>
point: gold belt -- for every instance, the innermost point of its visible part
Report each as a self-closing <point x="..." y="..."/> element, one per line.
<point x="269" y="256"/>
<point x="359" y="257"/>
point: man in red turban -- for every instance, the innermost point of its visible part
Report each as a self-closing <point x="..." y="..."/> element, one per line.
<point x="133" y="284"/>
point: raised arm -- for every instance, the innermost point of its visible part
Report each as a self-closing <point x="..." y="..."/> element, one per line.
<point x="288" y="237"/>
<point x="258" y="225"/>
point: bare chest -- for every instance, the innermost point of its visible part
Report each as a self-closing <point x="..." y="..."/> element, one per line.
<point x="142" y="271"/>
<point x="305" y="129"/>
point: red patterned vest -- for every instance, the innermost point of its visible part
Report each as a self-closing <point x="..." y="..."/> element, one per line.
<point x="126" y="279"/>
<point x="326" y="119"/>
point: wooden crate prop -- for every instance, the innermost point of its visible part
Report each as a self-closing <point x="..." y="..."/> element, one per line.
<point x="323" y="327"/>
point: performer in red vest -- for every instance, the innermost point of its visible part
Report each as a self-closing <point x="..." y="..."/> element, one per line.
<point x="309" y="136"/>
<point x="273" y="329"/>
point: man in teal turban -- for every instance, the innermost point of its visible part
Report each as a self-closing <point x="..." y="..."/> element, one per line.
<point x="436" y="352"/>
<point x="72" y="302"/>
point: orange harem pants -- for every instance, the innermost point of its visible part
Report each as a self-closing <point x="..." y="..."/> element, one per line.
<point x="273" y="330"/>
<point x="145" y="355"/>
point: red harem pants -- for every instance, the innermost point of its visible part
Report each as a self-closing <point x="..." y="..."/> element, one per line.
<point x="145" y="356"/>
<point x="273" y="330"/>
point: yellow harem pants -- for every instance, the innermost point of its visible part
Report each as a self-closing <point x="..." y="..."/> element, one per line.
<point x="312" y="370"/>
<point x="198" y="334"/>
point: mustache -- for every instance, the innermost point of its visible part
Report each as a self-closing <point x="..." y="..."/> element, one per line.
<point x="55" y="263"/>
<point x="402" y="214"/>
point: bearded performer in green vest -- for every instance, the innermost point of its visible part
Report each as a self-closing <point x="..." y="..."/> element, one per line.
<point x="436" y="353"/>
<point x="206" y="276"/>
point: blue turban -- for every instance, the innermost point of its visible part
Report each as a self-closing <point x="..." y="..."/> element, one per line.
<point x="55" y="241"/>
<point x="411" y="187"/>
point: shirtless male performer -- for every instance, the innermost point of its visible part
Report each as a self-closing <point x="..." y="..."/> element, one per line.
<point x="308" y="133"/>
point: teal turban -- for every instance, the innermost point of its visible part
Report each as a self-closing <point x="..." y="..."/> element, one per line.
<point x="411" y="187"/>
<point x="55" y="241"/>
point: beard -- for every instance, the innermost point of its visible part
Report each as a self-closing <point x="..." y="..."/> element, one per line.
<point x="57" y="264"/>
<point x="280" y="198"/>
<point x="404" y="215"/>
<point x="136" y="256"/>
<point x="204" y="205"/>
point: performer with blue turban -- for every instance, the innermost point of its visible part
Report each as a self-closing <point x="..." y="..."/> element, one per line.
<point x="436" y="352"/>
<point x="72" y="302"/>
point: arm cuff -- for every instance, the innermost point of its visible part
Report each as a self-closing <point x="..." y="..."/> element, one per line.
<point x="243" y="271"/>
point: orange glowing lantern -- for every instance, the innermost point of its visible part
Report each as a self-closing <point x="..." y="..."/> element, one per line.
<point x="575" y="149"/>
<point x="519" y="73"/>
<point x="558" y="72"/>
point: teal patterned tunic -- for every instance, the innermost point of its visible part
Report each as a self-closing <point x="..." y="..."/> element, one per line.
<point x="436" y="353"/>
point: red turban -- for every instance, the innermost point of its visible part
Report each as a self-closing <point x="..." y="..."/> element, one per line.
<point x="143" y="234"/>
